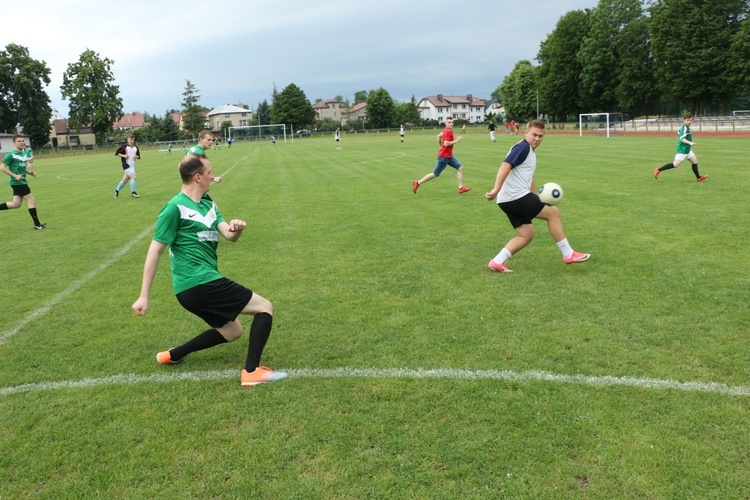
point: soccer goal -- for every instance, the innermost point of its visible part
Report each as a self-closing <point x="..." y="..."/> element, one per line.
<point x="603" y="124"/>
<point x="257" y="132"/>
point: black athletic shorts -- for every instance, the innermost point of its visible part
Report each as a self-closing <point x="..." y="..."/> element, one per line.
<point x="217" y="302"/>
<point x="21" y="190"/>
<point x="522" y="210"/>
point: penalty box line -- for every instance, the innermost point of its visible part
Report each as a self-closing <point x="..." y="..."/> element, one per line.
<point x="414" y="374"/>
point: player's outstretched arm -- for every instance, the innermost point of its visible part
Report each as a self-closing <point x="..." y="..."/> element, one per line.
<point x="140" y="306"/>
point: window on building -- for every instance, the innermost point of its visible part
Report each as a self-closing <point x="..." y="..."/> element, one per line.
<point x="243" y="123"/>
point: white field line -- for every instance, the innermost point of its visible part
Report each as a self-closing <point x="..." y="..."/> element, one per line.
<point x="414" y="374"/>
<point x="72" y="288"/>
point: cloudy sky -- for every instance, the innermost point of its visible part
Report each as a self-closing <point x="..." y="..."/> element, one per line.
<point x="236" y="50"/>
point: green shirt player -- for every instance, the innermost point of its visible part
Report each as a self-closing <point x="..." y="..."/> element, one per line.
<point x="190" y="224"/>
<point x="684" y="151"/>
<point x="17" y="164"/>
<point x="205" y="141"/>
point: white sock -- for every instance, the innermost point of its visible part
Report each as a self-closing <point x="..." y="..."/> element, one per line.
<point x="502" y="256"/>
<point x="565" y="248"/>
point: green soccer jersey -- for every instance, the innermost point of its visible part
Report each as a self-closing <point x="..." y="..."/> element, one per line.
<point x="684" y="133"/>
<point x="16" y="163"/>
<point x="196" y="150"/>
<point x="191" y="231"/>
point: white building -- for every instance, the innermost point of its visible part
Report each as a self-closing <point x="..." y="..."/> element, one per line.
<point x="439" y="107"/>
<point x="240" y="117"/>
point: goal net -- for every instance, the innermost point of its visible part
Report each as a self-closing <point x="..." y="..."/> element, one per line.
<point x="602" y="124"/>
<point x="258" y="132"/>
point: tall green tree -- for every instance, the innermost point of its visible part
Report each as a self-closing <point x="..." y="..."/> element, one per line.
<point x="519" y="92"/>
<point x="601" y="68"/>
<point x="691" y="42"/>
<point x="94" y="99"/>
<point x="263" y="113"/>
<point x="23" y="99"/>
<point x="193" y="119"/>
<point x="559" y="73"/>
<point x="637" y="91"/>
<point x="740" y="58"/>
<point x="380" y="109"/>
<point x="291" y="107"/>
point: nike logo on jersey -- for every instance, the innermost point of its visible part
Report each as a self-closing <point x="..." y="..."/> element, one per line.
<point x="188" y="213"/>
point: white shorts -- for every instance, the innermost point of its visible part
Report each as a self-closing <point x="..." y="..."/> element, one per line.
<point x="679" y="157"/>
<point x="129" y="171"/>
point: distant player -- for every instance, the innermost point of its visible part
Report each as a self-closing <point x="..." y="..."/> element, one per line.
<point x="491" y="127"/>
<point x="128" y="153"/>
<point x="205" y="141"/>
<point x="17" y="164"/>
<point x="401" y="133"/>
<point x="337" y="136"/>
<point x="684" y="151"/>
<point x="515" y="194"/>
<point x="446" y="140"/>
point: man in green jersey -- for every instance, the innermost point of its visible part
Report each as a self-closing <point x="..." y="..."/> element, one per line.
<point x="190" y="224"/>
<point x="17" y="164"/>
<point x="205" y="141"/>
<point x="684" y="152"/>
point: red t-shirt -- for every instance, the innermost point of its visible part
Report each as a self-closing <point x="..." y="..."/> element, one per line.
<point x="446" y="151"/>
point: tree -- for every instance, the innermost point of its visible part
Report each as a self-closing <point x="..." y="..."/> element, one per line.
<point x="263" y="113"/>
<point x="559" y="71"/>
<point x="291" y="107"/>
<point x="380" y="109"/>
<point x="193" y="119"/>
<point x="740" y="58"/>
<point x="598" y="57"/>
<point x="519" y="92"/>
<point x="22" y="97"/>
<point x="342" y="101"/>
<point x="224" y="128"/>
<point x="94" y="98"/>
<point x="637" y="90"/>
<point x="407" y="112"/>
<point x="360" y="96"/>
<point x="691" y="41"/>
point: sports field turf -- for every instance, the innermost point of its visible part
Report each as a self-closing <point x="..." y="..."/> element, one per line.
<point x="415" y="372"/>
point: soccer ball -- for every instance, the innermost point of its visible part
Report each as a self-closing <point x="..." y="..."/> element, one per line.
<point x="551" y="193"/>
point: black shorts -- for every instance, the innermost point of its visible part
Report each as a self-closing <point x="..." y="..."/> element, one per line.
<point x="21" y="190"/>
<point x="522" y="210"/>
<point x="217" y="302"/>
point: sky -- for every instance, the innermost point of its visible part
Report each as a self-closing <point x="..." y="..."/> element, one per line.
<point x="235" y="51"/>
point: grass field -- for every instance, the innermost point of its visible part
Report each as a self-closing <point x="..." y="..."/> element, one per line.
<point x="415" y="372"/>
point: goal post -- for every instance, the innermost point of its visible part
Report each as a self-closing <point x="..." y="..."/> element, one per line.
<point x="604" y="124"/>
<point x="257" y="132"/>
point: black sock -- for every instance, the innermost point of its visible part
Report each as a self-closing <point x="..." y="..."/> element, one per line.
<point x="32" y="212"/>
<point x="260" y="330"/>
<point x="207" y="339"/>
<point x="695" y="171"/>
<point x="666" y="167"/>
<point x="4" y="206"/>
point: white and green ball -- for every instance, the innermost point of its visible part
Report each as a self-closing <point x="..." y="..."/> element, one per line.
<point x="551" y="193"/>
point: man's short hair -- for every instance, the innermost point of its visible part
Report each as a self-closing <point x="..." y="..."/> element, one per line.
<point x="536" y="124"/>
<point x="204" y="133"/>
<point x="688" y="115"/>
<point x="17" y="136"/>
<point x="190" y="165"/>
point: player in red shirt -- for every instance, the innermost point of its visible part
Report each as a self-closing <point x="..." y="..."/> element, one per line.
<point x="446" y="140"/>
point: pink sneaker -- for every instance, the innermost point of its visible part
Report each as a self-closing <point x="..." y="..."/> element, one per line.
<point x="577" y="257"/>
<point x="500" y="268"/>
<point x="656" y="173"/>
<point x="702" y="178"/>
<point x="464" y="190"/>
<point x="415" y="186"/>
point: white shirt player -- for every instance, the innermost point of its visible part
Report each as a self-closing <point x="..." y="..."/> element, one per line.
<point x="518" y="183"/>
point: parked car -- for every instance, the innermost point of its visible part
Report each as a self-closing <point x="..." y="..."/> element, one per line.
<point x="302" y="132"/>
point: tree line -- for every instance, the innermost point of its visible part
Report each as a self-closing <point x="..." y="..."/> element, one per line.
<point x="637" y="57"/>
